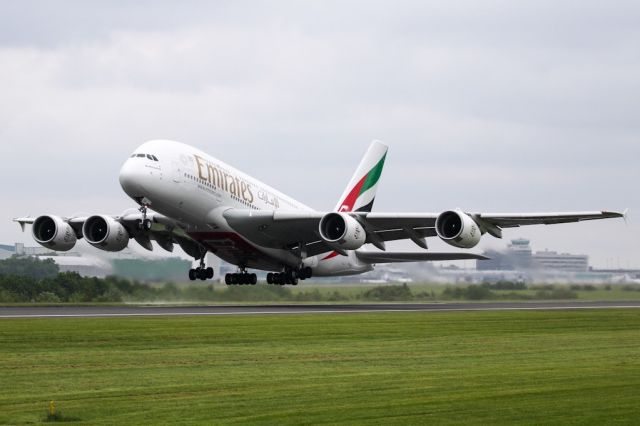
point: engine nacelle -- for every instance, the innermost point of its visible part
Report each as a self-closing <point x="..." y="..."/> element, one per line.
<point x="53" y="233"/>
<point x="342" y="230"/>
<point x="458" y="229"/>
<point x="105" y="233"/>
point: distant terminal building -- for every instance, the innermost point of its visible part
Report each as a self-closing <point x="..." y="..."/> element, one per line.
<point x="519" y="256"/>
<point x="561" y="261"/>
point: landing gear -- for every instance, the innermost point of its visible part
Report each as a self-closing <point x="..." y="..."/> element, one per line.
<point x="201" y="272"/>
<point x="144" y="224"/>
<point x="241" y="278"/>
<point x="289" y="276"/>
<point x="305" y="272"/>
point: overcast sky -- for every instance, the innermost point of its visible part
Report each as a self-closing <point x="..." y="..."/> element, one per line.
<point x="487" y="106"/>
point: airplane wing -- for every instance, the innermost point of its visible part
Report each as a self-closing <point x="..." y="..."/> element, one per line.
<point x="510" y="220"/>
<point x="288" y="229"/>
<point x="397" y="257"/>
<point x="164" y="231"/>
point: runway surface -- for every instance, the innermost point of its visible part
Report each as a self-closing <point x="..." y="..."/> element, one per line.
<point x="137" y="311"/>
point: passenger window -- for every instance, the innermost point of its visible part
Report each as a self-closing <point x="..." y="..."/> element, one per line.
<point x="155" y="158"/>
<point x="149" y="157"/>
<point x="140" y="155"/>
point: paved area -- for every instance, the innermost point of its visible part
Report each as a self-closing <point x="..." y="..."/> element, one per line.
<point x="121" y="311"/>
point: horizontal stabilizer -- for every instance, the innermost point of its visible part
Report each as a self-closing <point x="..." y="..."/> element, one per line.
<point x="385" y="257"/>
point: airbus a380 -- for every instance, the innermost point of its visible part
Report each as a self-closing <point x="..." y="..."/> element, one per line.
<point x="192" y="199"/>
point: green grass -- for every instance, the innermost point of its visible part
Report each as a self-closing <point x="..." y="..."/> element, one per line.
<point x="534" y="367"/>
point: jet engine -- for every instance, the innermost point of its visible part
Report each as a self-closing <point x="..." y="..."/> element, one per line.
<point x="105" y="233"/>
<point x="53" y="233"/>
<point x="342" y="230"/>
<point x="458" y="229"/>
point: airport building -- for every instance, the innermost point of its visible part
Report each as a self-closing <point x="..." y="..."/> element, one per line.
<point x="519" y="257"/>
<point x="566" y="262"/>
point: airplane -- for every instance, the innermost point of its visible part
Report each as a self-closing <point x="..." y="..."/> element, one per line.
<point x="189" y="198"/>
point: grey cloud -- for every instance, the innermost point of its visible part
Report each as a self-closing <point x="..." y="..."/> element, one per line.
<point x="487" y="106"/>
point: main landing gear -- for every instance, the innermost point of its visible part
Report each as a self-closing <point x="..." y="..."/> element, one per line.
<point x="241" y="278"/>
<point x="201" y="272"/>
<point x="289" y="276"/>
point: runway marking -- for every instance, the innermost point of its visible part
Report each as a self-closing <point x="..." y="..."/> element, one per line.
<point x="324" y="311"/>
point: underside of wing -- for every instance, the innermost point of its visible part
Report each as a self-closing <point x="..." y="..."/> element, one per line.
<point x="299" y="231"/>
<point x="510" y="220"/>
<point x="399" y="257"/>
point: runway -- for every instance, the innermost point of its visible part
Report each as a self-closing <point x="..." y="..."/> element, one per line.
<point x="143" y="311"/>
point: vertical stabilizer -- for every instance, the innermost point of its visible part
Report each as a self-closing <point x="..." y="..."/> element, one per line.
<point x="361" y="191"/>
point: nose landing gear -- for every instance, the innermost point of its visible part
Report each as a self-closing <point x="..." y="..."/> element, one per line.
<point x="144" y="224"/>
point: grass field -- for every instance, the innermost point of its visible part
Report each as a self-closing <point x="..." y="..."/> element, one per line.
<point x="533" y="367"/>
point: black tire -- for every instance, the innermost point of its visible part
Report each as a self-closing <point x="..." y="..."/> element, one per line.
<point x="227" y="279"/>
<point x="146" y="225"/>
<point x="270" y="278"/>
<point x="294" y="281"/>
<point x="192" y="274"/>
<point x="253" y="279"/>
<point x="209" y="272"/>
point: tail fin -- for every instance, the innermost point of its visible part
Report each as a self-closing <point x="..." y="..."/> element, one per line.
<point x="361" y="191"/>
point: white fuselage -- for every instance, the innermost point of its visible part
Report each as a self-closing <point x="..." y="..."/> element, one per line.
<point x="194" y="189"/>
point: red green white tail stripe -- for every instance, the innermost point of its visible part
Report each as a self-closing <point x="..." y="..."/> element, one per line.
<point x="361" y="191"/>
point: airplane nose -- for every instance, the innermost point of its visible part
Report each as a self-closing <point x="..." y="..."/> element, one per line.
<point x="131" y="179"/>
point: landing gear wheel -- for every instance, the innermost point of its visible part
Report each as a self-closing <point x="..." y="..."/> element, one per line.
<point x="270" y="278"/>
<point x="289" y="276"/>
<point x="192" y="274"/>
<point x="146" y="225"/>
<point x="253" y="279"/>
<point x="209" y="272"/>
<point x="227" y="279"/>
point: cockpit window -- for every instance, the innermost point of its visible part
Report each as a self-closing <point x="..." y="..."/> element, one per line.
<point x="148" y="156"/>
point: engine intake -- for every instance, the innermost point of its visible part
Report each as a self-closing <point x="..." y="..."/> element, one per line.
<point x="53" y="233"/>
<point x="458" y="229"/>
<point x="342" y="230"/>
<point x="105" y="233"/>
